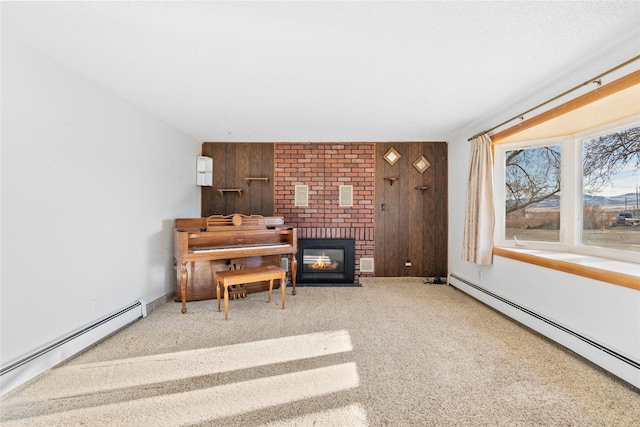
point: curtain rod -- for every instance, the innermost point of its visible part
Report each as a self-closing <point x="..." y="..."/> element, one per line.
<point x="596" y="80"/>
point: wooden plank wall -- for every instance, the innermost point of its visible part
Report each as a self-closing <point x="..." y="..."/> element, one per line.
<point x="413" y="224"/>
<point x="232" y="163"/>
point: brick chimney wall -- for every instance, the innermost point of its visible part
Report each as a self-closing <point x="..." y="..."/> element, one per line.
<point x="324" y="167"/>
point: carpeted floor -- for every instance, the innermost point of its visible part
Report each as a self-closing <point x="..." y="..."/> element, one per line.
<point x="328" y="285"/>
<point x="394" y="352"/>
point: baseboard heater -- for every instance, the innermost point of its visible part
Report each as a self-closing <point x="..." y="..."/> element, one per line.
<point x="27" y="367"/>
<point x="630" y="369"/>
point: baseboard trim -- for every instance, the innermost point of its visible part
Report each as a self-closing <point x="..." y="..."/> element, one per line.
<point x="610" y="360"/>
<point x="159" y="302"/>
<point x="21" y="370"/>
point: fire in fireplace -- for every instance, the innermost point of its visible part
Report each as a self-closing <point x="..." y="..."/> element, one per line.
<point x="321" y="262"/>
<point x="326" y="260"/>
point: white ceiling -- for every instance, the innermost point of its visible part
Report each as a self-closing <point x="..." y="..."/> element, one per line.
<point x="321" y="71"/>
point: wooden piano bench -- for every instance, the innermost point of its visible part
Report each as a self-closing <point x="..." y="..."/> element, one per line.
<point x="228" y="278"/>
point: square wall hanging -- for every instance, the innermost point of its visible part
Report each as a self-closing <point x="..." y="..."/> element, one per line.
<point x="392" y="156"/>
<point x="421" y="164"/>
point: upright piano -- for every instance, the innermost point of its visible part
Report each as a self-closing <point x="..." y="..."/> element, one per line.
<point x="221" y="242"/>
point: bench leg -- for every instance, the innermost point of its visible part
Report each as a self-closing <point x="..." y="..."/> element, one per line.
<point x="218" y="294"/>
<point x="270" y="289"/>
<point x="283" y="285"/>
<point x="226" y="302"/>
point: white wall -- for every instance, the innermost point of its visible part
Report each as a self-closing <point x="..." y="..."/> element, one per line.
<point x="605" y="313"/>
<point x="90" y="187"/>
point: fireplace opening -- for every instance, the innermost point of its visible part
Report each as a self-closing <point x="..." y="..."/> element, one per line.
<point x="326" y="260"/>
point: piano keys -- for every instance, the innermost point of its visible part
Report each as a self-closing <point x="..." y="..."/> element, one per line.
<point x="222" y="242"/>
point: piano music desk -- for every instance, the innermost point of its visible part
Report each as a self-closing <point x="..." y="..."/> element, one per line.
<point x="248" y="275"/>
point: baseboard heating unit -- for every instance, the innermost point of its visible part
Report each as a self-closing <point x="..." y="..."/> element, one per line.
<point x="27" y="367"/>
<point x="618" y="364"/>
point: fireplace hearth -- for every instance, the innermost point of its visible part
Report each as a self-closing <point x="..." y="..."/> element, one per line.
<point x="326" y="260"/>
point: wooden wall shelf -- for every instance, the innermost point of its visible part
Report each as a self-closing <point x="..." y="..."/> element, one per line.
<point x="249" y="179"/>
<point x="230" y="190"/>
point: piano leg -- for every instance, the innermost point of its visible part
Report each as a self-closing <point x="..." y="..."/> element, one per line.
<point x="183" y="275"/>
<point x="294" y="272"/>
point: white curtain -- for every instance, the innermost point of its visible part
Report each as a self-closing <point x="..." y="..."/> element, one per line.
<point x="479" y="213"/>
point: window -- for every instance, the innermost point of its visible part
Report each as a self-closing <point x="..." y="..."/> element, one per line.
<point x="532" y="193"/>
<point x="578" y="193"/>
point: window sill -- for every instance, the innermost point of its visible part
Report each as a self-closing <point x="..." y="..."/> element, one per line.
<point x="619" y="273"/>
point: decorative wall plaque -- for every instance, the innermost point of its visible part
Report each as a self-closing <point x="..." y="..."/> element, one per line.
<point x="301" y="195"/>
<point x="392" y="156"/>
<point x="346" y="195"/>
<point x="421" y="164"/>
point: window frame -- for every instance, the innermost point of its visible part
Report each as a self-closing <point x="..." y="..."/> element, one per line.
<point x="571" y="194"/>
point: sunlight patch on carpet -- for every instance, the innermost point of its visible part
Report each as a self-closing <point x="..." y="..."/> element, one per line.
<point x="208" y="404"/>
<point x="158" y="368"/>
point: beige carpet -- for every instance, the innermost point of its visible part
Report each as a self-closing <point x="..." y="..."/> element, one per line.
<point x="395" y="352"/>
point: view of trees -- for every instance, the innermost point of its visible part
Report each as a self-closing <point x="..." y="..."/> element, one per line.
<point x="607" y="193"/>
<point x="606" y="155"/>
<point x="533" y="174"/>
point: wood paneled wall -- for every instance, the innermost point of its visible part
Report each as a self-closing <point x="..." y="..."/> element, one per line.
<point x="412" y="224"/>
<point x="232" y="164"/>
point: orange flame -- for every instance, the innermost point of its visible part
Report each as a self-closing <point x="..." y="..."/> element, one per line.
<point x="319" y="262"/>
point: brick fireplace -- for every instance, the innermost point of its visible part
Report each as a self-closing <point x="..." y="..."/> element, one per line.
<point x="324" y="168"/>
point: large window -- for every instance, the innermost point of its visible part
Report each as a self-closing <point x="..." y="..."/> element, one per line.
<point x="578" y="193"/>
